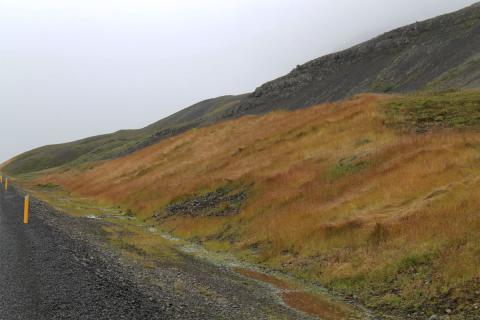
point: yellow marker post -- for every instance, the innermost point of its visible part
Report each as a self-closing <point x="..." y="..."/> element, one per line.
<point x="26" y="209"/>
<point x="6" y="184"/>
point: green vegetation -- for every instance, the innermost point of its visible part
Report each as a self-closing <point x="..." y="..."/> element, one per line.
<point x="347" y="166"/>
<point x="382" y="86"/>
<point x="427" y="111"/>
<point x="47" y="186"/>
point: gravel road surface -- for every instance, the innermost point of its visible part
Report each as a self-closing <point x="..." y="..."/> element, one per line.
<point x="50" y="270"/>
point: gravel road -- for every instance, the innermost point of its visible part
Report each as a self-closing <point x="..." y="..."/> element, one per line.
<point x="52" y="268"/>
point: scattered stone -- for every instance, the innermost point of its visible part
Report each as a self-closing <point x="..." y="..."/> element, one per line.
<point x="224" y="201"/>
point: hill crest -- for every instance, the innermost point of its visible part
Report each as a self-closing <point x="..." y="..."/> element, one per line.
<point x="435" y="54"/>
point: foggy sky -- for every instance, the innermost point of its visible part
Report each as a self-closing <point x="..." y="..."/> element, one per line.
<point x="75" y="68"/>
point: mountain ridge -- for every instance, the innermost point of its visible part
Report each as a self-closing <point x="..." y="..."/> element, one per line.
<point x="435" y="54"/>
<point x="324" y="80"/>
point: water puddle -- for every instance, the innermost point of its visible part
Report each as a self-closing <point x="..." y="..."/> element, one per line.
<point x="317" y="305"/>
<point x="277" y="283"/>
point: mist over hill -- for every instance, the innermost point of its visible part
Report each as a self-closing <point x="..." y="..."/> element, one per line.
<point x="436" y="54"/>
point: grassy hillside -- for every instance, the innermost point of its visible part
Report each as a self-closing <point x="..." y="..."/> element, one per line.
<point x="376" y="196"/>
<point x="122" y="142"/>
<point x="439" y="53"/>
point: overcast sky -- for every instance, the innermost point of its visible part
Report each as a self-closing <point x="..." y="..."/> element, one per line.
<point x="76" y="68"/>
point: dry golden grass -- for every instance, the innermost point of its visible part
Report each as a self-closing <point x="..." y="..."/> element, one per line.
<point x="337" y="195"/>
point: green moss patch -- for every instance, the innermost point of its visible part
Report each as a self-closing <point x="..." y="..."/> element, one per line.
<point x="427" y="111"/>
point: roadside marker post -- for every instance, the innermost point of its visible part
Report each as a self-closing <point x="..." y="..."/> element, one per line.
<point x="6" y="184"/>
<point x="26" y="208"/>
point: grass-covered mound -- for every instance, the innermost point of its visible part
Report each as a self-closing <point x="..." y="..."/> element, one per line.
<point x="351" y="194"/>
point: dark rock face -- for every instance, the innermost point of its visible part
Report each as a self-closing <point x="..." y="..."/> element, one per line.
<point x="429" y="54"/>
<point x="222" y="202"/>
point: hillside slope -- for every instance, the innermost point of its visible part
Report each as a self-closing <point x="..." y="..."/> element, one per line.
<point x="375" y="197"/>
<point x="439" y="53"/>
<point x="435" y="54"/>
<point x="122" y="142"/>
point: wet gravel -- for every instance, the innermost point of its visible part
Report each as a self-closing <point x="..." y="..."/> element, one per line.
<point x="59" y="267"/>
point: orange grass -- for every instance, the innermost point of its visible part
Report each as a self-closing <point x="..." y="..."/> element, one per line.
<point x="336" y="193"/>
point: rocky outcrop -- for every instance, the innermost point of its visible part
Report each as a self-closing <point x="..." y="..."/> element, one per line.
<point x="222" y="202"/>
<point x="411" y="58"/>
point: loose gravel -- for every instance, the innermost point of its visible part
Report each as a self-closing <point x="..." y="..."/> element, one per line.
<point x="59" y="267"/>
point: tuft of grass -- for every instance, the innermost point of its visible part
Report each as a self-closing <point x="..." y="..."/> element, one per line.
<point x="347" y="166"/>
<point x="48" y="186"/>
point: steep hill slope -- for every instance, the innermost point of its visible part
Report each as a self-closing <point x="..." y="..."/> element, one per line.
<point x="122" y="142"/>
<point x="435" y="54"/>
<point x="376" y="197"/>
